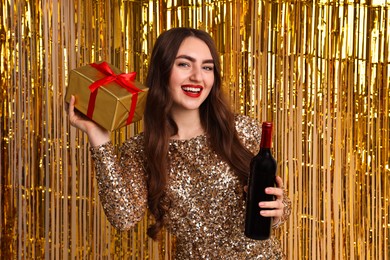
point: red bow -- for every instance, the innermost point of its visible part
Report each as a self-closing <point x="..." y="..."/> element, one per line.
<point x="123" y="79"/>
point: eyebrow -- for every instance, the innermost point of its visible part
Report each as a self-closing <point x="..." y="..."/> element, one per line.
<point x="193" y="59"/>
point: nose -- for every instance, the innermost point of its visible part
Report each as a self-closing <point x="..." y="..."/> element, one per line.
<point x="196" y="74"/>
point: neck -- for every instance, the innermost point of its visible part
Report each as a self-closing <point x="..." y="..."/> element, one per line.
<point x="188" y="124"/>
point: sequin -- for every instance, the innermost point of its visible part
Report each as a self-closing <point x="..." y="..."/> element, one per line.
<point x="207" y="210"/>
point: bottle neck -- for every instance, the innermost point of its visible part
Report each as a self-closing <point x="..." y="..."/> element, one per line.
<point x="266" y="136"/>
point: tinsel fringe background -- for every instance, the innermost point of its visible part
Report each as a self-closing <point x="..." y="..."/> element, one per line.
<point x="319" y="69"/>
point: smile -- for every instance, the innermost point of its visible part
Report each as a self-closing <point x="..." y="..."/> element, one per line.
<point x="192" y="90"/>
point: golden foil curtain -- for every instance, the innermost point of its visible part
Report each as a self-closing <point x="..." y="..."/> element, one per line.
<point x="319" y="69"/>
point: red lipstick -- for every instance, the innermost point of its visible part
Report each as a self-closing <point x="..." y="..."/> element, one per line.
<point x="192" y="90"/>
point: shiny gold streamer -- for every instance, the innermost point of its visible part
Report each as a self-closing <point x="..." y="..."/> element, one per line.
<point x="319" y="69"/>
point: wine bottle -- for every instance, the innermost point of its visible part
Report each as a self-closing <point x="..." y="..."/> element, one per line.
<point x="262" y="175"/>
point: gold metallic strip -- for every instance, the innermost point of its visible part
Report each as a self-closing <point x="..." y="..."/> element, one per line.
<point x="319" y="70"/>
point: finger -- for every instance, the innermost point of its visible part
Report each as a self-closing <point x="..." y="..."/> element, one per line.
<point x="274" y="205"/>
<point x="271" y="213"/>
<point x="271" y="208"/>
<point x="279" y="181"/>
<point x="278" y="192"/>
<point x="71" y="111"/>
<point x="71" y="106"/>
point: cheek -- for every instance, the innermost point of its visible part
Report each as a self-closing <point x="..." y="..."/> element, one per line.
<point x="175" y="80"/>
<point x="212" y="79"/>
<point x="172" y="84"/>
<point x="173" y="77"/>
<point x="209" y="89"/>
<point x="211" y="83"/>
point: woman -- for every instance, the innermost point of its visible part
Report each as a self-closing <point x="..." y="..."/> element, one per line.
<point x="190" y="165"/>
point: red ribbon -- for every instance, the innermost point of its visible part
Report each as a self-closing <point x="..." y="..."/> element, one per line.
<point x="123" y="79"/>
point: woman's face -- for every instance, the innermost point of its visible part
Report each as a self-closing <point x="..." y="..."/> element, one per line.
<point x="192" y="74"/>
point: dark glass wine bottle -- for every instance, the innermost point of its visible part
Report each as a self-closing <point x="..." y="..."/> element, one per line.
<point x="262" y="175"/>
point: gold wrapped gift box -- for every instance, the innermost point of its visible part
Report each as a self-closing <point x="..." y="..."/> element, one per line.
<point x="106" y="95"/>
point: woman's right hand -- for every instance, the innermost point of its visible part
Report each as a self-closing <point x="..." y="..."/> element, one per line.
<point x="96" y="134"/>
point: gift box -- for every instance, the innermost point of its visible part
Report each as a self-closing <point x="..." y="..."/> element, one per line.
<point x="109" y="97"/>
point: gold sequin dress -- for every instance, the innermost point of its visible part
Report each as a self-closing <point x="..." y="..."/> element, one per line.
<point x="207" y="211"/>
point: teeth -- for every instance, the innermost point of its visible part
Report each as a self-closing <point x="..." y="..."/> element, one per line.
<point x="196" y="90"/>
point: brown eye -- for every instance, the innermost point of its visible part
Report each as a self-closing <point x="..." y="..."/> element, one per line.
<point x="183" y="64"/>
<point x="208" y="68"/>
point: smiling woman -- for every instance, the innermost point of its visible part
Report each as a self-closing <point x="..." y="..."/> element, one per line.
<point x="190" y="165"/>
<point x="320" y="71"/>
<point x="191" y="80"/>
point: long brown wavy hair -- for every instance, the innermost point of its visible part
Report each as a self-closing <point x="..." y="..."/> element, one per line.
<point x="216" y="117"/>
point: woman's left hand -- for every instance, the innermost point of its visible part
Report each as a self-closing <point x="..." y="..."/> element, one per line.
<point x="274" y="208"/>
